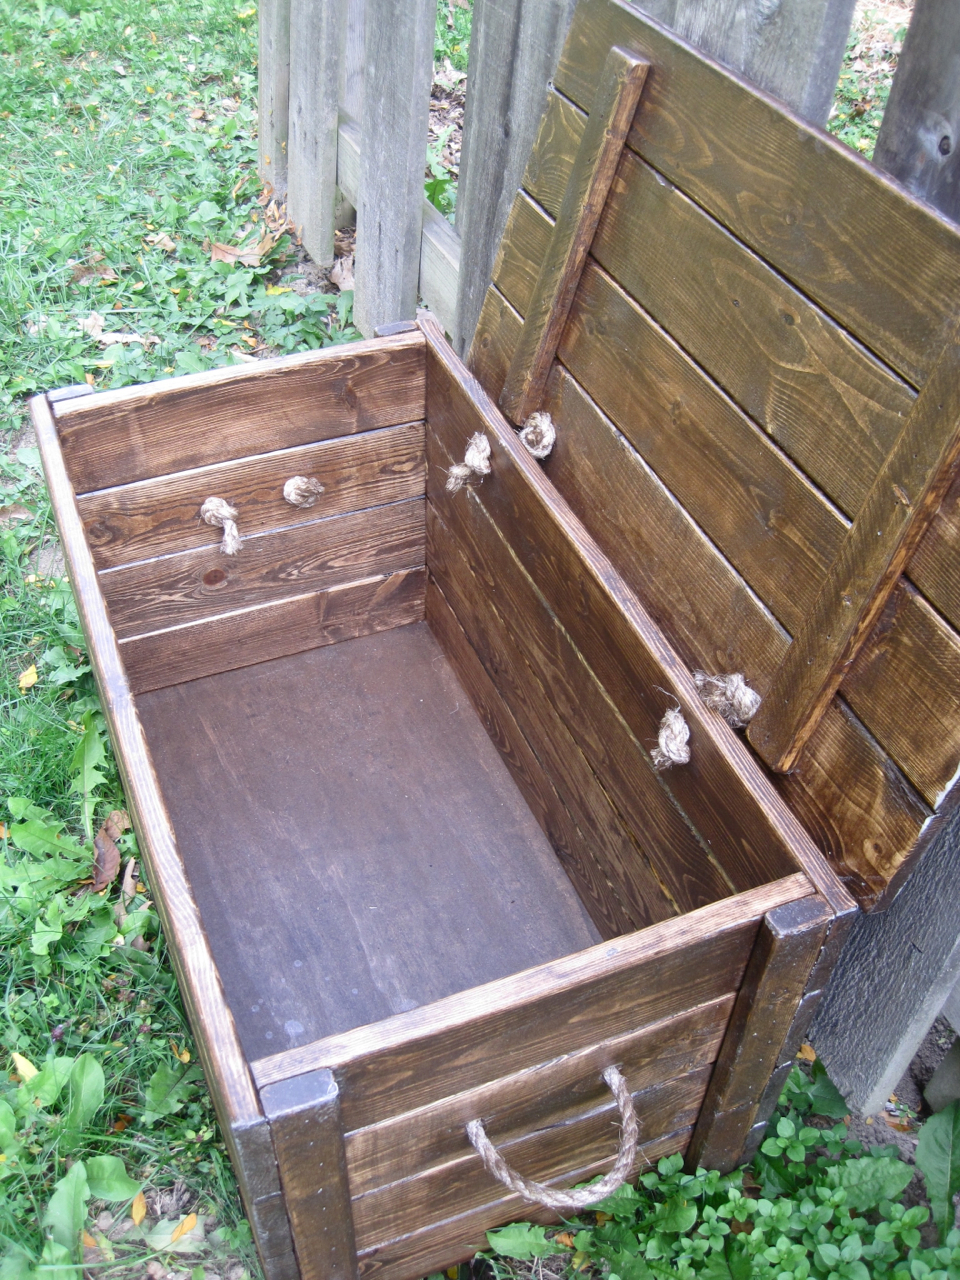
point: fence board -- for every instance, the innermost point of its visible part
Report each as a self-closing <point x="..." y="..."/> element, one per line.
<point x="274" y="73"/>
<point x="919" y="140"/>
<point x="312" y="122"/>
<point x="514" y="48"/>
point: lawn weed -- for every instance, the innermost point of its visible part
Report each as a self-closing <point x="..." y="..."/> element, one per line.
<point x="866" y="76"/>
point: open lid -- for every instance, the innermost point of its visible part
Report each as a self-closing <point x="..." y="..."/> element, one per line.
<point x="729" y="316"/>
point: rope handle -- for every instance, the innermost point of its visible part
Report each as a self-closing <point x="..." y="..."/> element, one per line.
<point x="560" y="1200"/>
<point x="219" y="513"/>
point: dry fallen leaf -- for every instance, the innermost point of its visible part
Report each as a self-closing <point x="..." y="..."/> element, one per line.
<point x="106" y="858"/>
<point x="123" y="1121"/>
<point x="197" y="113"/>
<point x="182" y="1054"/>
<point x="181" y="1229"/>
<point x="25" y="1068"/>
<point x="342" y="273"/>
<point x="807" y="1053"/>
<point x="565" y="1238"/>
<point x="248" y="255"/>
<point x="138" y="1210"/>
<point x="27" y="679"/>
<point x="88" y="1241"/>
<point x="13" y="514"/>
<point x="108" y="339"/>
<point x="92" y="325"/>
<point x="162" y="241"/>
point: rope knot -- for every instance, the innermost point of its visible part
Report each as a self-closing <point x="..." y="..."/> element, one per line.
<point x="673" y="741"/>
<point x="302" y="491"/>
<point x="476" y="461"/>
<point x="539" y="435"/>
<point x="730" y="696"/>
<point x="219" y="513"/>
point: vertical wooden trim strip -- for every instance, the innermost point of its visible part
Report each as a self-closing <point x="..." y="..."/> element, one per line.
<point x="274" y="68"/>
<point x="896" y="513"/>
<point x="788" y="942"/>
<point x="313" y="123"/>
<point x="304" y="1115"/>
<point x="586" y="192"/>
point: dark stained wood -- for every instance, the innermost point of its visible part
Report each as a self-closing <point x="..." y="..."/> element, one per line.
<point x="547" y="1154"/>
<point x="458" y="1239"/>
<point x="611" y="114"/>
<point x="304" y="1115"/>
<point x="551" y="160"/>
<point x="787" y="945"/>
<point x="665" y="840"/>
<point x="229" y="641"/>
<point x="117" y="437"/>
<point x="161" y="516"/>
<point x="860" y="811"/>
<point x="255" y="1165"/>
<point x="466" y="1040"/>
<point x="550" y="1094"/>
<point x="224" y="1063"/>
<point x="525" y="245"/>
<point x="491" y="348"/>
<point x="721" y="789"/>
<point x="562" y="820"/>
<point x="895" y="514"/>
<point x="884" y="265"/>
<point x="191" y="585"/>
<point x="935" y="565"/>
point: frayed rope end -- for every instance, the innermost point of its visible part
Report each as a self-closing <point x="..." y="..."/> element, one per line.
<point x="539" y="435"/>
<point x="476" y="461"/>
<point x="730" y="696"/>
<point x="673" y="741"/>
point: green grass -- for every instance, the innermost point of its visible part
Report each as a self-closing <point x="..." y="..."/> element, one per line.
<point x="127" y="151"/>
<point x="865" y="80"/>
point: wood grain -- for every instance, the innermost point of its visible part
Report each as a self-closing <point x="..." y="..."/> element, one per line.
<point x="157" y="594"/>
<point x="491" y="348"/>
<point x="884" y="265"/>
<point x="315" y="53"/>
<point x="160" y="516"/>
<point x="457" y="1239"/>
<point x="463" y="1041"/>
<point x="788" y="943"/>
<point x="117" y="437"/>
<point x="611" y="114"/>
<point x="550" y="1093"/>
<point x="304" y="1115"/>
<point x="241" y="639"/>
<point x="895" y="514"/>
<point x="935" y="565"/>
<point x="721" y="789"/>
<point x="561" y="814"/>
<point x="274" y="97"/>
<point x="547" y="1154"/>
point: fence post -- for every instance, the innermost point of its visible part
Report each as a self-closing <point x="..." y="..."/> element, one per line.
<point x="314" y="118"/>
<point x="514" y="47"/>
<point x="919" y="140"/>
<point x="273" y="66"/>
<point x="393" y="151"/>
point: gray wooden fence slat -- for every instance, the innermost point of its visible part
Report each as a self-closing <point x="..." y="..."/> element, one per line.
<point x="393" y="152"/>
<point x="273" y="67"/>
<point x="919" y="141"/>
<point x="791" y="48"/>
<point x="514" y="47"/>
<point x="313" y="123"/>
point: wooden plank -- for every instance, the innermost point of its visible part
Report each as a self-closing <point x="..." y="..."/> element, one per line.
<point x="667" y="848"/>
<point x="788" y="943"/>
<point x="902" y="500"/>
<point x="393" y="140"/>
<point x="935" y="565"/>
<point x="304" y="1115"/>
<point x="612" y="112"/>
<point x="558" y="820"/>
<point x="549" y="1093"/>
<point x="884" y="265"/>
<point x="546" y="1154"/>
<point x="917" y="143"/>
<point x="722" y="789"/>
<point x="313" y="120"/>
<point x="490" y="350"/>
<point x="258" y="634"/>
<point x="160" y="516"/>
<point x="259" y="1182"/>
<point x="459" y="1238"/>
<point x="274" y="90"/>
<point x="462" y="1041"/>
<point x="514" y="46"/>
<point x="133" y="433"/>
<point x="551" y="160"/>
<point x="224" y="1063"/>
<point x="188" y="586"/>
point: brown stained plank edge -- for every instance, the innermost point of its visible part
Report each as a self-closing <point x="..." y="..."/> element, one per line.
<point x="725" y="766"/>
<point x="896" y="513"/>
<point x="117" y="437"/>
<point x="224" y="1064"/>
<point x="457" y="1239"/>
<point x="275" y="630"/>
<point x="545" y="1094"/>
<point x="160" y="516"/>
<point x="488" y="1029"/>
<point x="788" y="943"/>
<point x="612" y="112"/>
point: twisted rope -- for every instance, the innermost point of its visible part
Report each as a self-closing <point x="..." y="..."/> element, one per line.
<point x="476" y="461"/>
<point x="673" y="741"/>
<point x="302" y="491"/>
<point x="551" y="1197"/>
<point x="221" y="515"/>
<point x="730" y="696"/>
<point x="539" y="435"/>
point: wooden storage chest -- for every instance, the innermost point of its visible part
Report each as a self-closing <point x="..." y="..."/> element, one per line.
<point x="391" y="765"/>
